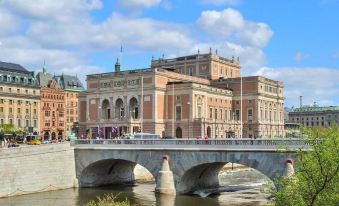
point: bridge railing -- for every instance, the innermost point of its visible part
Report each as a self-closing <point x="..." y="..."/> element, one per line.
<point x="200" y="142"/>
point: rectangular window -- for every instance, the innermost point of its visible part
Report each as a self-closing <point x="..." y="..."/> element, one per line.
<point x="27" y="123"/>
<point x="122" y="113"/>
<point x="34" y="111"/>
<point x="27" y="111"/>
<point x="221" y="114"/>
<point x="211" y="113"/>
<point x="225" y="115"/>
<point x="19" y="110"/>
<point x="19" y="123"/>
<point x="35" y="123"/>
<point x="178" y="112"/>
<point x="10" y="121"/>
<point x="1" y="109"/>
<point x="215" y="113"/>
<point x="10" y="110"/>
<point x="237" y="115"/>
<point x="231" y="115"/>
<point x="249" y="114"/>
<point x="2" y="121"/>
<point x="10" y="101"/>
<point x="199" y="112"/>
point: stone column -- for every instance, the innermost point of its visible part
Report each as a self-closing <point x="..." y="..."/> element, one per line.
<point x="289" y="170"/>
<point x="165" y="181"/>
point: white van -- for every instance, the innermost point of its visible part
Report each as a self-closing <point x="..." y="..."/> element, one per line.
<point x="146" y="136"/>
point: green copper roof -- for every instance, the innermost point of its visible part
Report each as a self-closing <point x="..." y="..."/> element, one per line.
<point x="316" y="109"/>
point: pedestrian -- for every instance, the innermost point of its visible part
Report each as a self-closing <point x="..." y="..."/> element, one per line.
<point x="206" y="139"/>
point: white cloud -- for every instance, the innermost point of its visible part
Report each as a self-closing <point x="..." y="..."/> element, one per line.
<point x="229" y="24"/>
<point x="221" y="23"/>
<point x="299" y="56"/>
<point x="255" y="34"/>
<point x="136" y="6"/>
<point x="8" y="22"/>
<point x="219" y="2"/>
<point x="314" y="84"/>
<point x="45" y="9"/>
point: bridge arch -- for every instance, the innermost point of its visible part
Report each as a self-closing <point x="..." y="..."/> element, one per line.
<point x="108" y="172"/>
<point x="204" y="174"/>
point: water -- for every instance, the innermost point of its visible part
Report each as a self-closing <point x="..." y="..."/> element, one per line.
<point x="240" y="187"/>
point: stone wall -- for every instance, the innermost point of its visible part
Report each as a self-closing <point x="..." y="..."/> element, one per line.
<point x="30" y="169"/>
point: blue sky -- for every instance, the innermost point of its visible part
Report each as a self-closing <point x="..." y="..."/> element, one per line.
<point x="292" y="41"/>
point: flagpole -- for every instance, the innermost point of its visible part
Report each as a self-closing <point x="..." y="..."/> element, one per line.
<point x="241" y="126"/>
<point x="173" y="109"/>
<point x="142" y="104"/>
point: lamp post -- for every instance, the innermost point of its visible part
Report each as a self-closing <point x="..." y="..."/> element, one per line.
<point x="188" y="119"/>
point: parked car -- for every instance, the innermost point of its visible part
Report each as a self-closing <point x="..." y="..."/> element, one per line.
<point x="32" y="140"/>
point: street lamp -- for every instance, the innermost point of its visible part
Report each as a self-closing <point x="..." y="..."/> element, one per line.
<point x="188" y="119"/>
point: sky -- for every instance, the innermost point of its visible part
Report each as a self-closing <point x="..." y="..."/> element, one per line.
<point x="293" y="41"/>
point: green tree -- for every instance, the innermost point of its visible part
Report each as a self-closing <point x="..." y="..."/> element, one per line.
<point x="316" y="180"/>
<point x="7" y="128"/>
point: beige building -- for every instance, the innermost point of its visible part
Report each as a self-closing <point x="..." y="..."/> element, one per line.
<point x="189" y="96"/>
<point x="20" y="97"/>
<point x="315" y="116"/>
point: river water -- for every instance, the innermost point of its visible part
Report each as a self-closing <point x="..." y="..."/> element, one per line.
<point x="238" y="187"/>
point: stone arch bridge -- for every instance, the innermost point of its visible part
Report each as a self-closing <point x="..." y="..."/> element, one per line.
<point x="195" y="164"/>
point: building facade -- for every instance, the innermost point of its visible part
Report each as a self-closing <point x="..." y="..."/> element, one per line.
<point x="315" y="116"/>
<point x="188" y="97"/>
<point x="72" y="87"/>
<point x="52" y="119"/>
<point x="20" y="98"/>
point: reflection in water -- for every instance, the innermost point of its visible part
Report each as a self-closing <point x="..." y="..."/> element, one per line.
<point x="143" y="194"/>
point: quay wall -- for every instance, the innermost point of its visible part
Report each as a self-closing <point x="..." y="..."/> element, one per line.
<point x="36" y="168"/>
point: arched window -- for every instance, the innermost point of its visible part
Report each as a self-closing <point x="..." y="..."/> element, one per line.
<point x="119" y="109"/>
<point x="106" y="110"/>
<point x="133" y="108"/>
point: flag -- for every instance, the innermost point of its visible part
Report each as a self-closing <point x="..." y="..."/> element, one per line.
<point x="121" y="48"/>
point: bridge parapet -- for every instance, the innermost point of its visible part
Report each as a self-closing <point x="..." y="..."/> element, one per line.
<point x="198" y="143"/>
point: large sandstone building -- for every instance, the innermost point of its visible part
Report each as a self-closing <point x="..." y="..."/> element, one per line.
<point x="190" y="96"/>
<point x="20" y="98"/>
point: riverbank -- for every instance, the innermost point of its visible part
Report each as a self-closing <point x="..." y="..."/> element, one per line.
<point x="36" y="168"/>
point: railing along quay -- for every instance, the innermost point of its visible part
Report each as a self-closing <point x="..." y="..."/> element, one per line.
<point x="200" y="142"/>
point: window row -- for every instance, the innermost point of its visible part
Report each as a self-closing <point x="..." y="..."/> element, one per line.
<point x="20" y="123"/>
<point x="53" y="96"/>
<point x="19" y="111"/>
<point x="19" y="102"/>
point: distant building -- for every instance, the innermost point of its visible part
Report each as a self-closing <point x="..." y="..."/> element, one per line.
<point x="189" y="96"/>
<point x="53" y="122"/>
<point x="20" y="97"/>
<point x="315" y="116"/>
<point x="71" y="86"/>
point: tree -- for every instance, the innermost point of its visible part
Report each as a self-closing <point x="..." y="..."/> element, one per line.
<point x="316" y="180"/>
